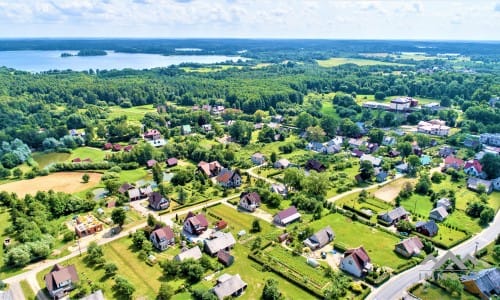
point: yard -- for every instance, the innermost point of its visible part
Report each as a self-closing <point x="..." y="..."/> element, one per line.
<point x="45" y="159"/>
<point x="134" y="114"/>
<point x="94" y="154"/>
<point x="378" y="244"/>
<point x="68" y="182"/>
<point x="429" y="291"/>
<point x="390" y="191"/>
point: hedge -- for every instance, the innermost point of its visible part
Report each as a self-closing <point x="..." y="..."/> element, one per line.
<point x="440" y="244"/>
<point x="405" y="266"/>
<point x="383" y="223"/>
<point x="57" y="167"/>
<point x="357" y="211"/>
<point x="379" y="280"/>
<point x="339" y="247"/>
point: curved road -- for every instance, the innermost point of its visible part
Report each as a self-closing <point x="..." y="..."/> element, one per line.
<point x="396" y="287"/>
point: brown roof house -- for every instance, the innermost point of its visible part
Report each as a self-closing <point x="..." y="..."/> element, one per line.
<point x="356" y="262"/>
<point x="229" y="179"/>
<point x="315" y="165"/>
<point x="484" y="284"/>
<point x="162" y="238"/>
<point x="195" y="224"/>
<point x="250" y="201"/>
<point x="409" y="247"/>
<point x="258" y="158"/>
<point x="320" y="238"/>
<point x="210" y="169"/>
<point x="228" y="285"/>
<point x="61" y="280"/>
<point x="157" y="201"/>
<point x="287" y="216"/>
<point x="225" y="258"/>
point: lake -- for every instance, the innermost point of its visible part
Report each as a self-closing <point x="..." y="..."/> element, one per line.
<point x="38" y="61"/>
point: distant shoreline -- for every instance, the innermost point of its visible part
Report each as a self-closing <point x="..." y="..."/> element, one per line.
<point x="86" y="53"/>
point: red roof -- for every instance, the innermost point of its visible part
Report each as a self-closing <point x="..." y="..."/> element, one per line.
<point x="287" y="212"/>
<point x="452" y="160"/>
<point x="172" y="161"/>
<point x="108" y="146"/>
<point x="150" y="163"/>
<point x="359" y="255"/>
<point x="164" y="232"/>
<point x="128" y="148"/>
<point x="117" y="147"/>
<point x="76" y="160"/>
<point x="198" y="219"/>
<point x="221" y="224"/>
<point x="474" y="163"/>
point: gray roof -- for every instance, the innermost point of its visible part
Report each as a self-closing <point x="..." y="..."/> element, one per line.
<point x="430" y="226"/>
<point x="193" y="253"/>
<point x="488" y="280"/>
<point x="374" y="160"/>
<point x="474" y="182"/>
<point x="445" y="202"/>
<point x="97" y="295"/>
<point x="394" y="214"/>
<point x="222" y="241"/>
<point x="321" y="238"/>
<point x="438" y="213"/>
<point x="229" y="286"/>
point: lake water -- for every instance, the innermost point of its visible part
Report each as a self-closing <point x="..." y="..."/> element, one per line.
<point x="38" y="61"/>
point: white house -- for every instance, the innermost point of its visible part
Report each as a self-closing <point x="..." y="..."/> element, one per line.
<point x="356" y="262"/>
<point x="400" y="103"/>
<point x="258" y="158"/>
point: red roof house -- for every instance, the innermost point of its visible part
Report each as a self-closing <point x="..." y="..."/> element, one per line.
<point x="356" y="261"/>
<point x="195" y="224"/>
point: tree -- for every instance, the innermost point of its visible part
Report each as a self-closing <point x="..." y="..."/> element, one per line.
<point x="17" y="173"/>
<point x="256" y="226"/>
<point x="315" y="134"/>
<point x="349" y="128"/>
<point x="404" y="148"/>
<point x="329" y="124"/>
<point x="413" y="164"/>
<point x="486" y="216"/>
<point x="496" y="252"/>
<point x="293" y="177"/>
<point x="379" y="95"/>
<point x="138" y="239"/>
<point x="453" y="285"/>
<point x="18" y="256"/>
<point x="474" y="209"/>
<point x="166" y="292"/>
<point x="376" y="135"/>
<point x="274" y="157"/>
<point x="118" y="215"/>
<point x="257" y="243"/>
<point x="423" y="185"/>
<point x="85" y="178"/>
<point x="95" y="255"/>
<point x="405" y="226"/>
<point x="316" y="184"/>
<point x="491" y="165"/>
<point x="112" y="185"/>
<point x="124" y="288"/>
<point x="271" y="291"/>
<point x="110" y="269"/>
<point x="366" y="169"/>
<point x="304" y="120"/>
<point x="241" y="132"/>
<point x="157" y="173"/>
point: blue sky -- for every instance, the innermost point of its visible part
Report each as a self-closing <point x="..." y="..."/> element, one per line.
<point x="387" y="19"/>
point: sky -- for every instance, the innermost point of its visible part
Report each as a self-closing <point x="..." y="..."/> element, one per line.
<point x="386" y="19"/>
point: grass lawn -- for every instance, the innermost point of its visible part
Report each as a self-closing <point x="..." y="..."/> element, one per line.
<point x="134" y="114"/>
<point x="431" y="292"/>
<point x="88" y="152"/>
<point x="45" y="159"/>
<point x="146" y="279"/>
<point x="27" y="291"/>
<point x="337" y="61"/>
<point x="419" y="204"/>
<point x="489" y="257"/>
<point x="461" y="220"/>
<point x="132" y="176"/>
<point x="464" y="196"/>
<point x="378" y="244"/>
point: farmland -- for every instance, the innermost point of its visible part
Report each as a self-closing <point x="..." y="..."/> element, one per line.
<point x="337" y="61"/>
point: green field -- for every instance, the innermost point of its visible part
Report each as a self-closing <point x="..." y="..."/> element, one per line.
<point x="378" y="244"/>
<point x="27" y="290"/>
<point x="429" y="291"/>
<point x="134" y="114"/>
<point x="45" y="159"/>
<point x="337" y="61"/>
<point x="87" y="152"/>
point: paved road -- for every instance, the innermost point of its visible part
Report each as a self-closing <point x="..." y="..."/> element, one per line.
<point x="396" y="287"/>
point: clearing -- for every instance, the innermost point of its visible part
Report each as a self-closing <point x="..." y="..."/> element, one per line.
<point x="68" y="182"/>
<point x="337" y="61"/>
<point x="390" y="191"/>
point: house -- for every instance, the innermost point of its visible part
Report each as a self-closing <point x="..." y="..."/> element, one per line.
<point x="491" y="139"/>
<point x="250" y="201"/>
<point x="372" y="147"/>
<point x="206" y="127"/>
<point x="356" y="262"/>
<point x="433" y="127"/>
<point x="229" y="286"/>
<point x="60" y="280"/>
<point x="428" y="228"/>
<point x="107" y="146"/>
<point x="193" y="253"/>
<point x="229" y="179"/>
<point x="157" y="143"/>
<point x="280" y="188"/>
<point x="76" y="160"/>
<point x="316" y="146"/>
<point x="116" y="147"/>
<point x="338" y="141"/>
<point x="221" y="224"/>
<point x="277" y="118"/>
<point x="320" y="238"/>
<point x="425" y="160"/>
<point x="402" y="168"/>
<point x="186" y="129"/>
<point x="151" y="163"/>
<point x="395" y="215"/>
<point x="375" y="161"/>
<point x="152" y="134"/>
<point x="210" y="169"/>
<point x="356" y="143"/>
<point x="474" y="168"/>
<point x="438" y="214"/>
<point x="134" y="194"/>
<point x="381" y="176"/>
<point x="472" y="141"/>
<point x="332" y="149"/>
<point x="86" y="225"/>
<point x="287" y="216"/>
<point x="357" y="153"/>
<point x="484" y="284"/>
<point x="157" y="201"/>
<point x="493" y="101"/>
<point x="409" y="247"/>
<point x="452" y="162"/>
<point x="258" y="158"/>
<point x="473" y="183"/>
<point x="128" y="148"/>
<point x="389" y="141"/>
<point x="162" y="238"/>
<point x="446" y="151"/>
<point x="207" y="107"/>
<point x="444" y="202"/>
<point x="221" y="241"/>
<point x="195" y="224"/>
<point x="225" y="258"/>
<point x="172" y="162"/>
<point x="315" y="165"/>
<point x="97" y="295"/>
<point x="401" y="104"/>
<point x="496" y="184"/>
<point x="218" y="109"/>
<point x="282" y="163"/>
<point x="125" y="188"/>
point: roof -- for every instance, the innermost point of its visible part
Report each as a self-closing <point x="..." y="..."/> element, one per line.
<point x="172" y="161"/>
<point x="125" y="187"/>
<point x="155" y="199"/>
<point x="258" y="155"/>
<point x="292" y="210"/>
<point x="225" y="175"/>
<point x="452" y="160"/>
<point x="198" y="219"/>
<point x="6" y="295"/>
<point x="439" y="211"/>
<point x="474" y="164"/>
<point x="359" y="256"/>
<point x="487" y="280"/>
<point x="473" y="183"/>
<point x="97" y="295"/>
<point x="225" y="257"/>
<point x="411" y="245"/>
<point x="394" y="214"/>
<point x="445" y="202"/>
<point x="283" y="162"/>
<point x="209" y="168"/>
<point x="252" y="197"/>
<point x="315" y="165"/>
<point x="401" y="100"/>
<point x="425" y="160"/>
<point x="60" y="274"/>
<point x="374" y="160"/>
<point x="229" y="286"/>
<point x="193" y="253"/>
<point x="323" y="236"/>
<point x="222" y="241"/>
<point x="164" y="233"/>
<point x="430" y="226"/>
